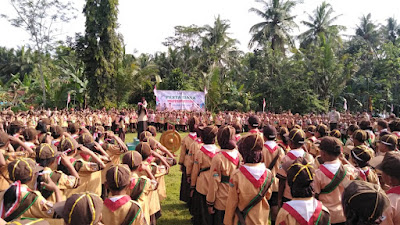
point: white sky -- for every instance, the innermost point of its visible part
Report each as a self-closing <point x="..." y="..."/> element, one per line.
<point x="146" y="23"/>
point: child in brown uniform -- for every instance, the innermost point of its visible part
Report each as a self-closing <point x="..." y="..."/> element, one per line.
<point x="201" y="175"/>
<point x="222" y="166"/>
<point x="364" y="203"/>
<point x="272" y="155"/>
<point x="119" y="208"/>
<point x="184" y="157"/>
<point x="360" y="156"/>
<point x="141" y="186"/>
<point x="330" y="178"/>
<point x="390" y="167"/>
<point x="249" y="189"/>
<point x="296" y="140"/>
<point x="304" y="209"/>
<point x="20" y="201"/>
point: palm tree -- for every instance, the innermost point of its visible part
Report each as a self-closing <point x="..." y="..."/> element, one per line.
<point x="320" y="26"/>
<point x="368" y="33"/>
<point x="277" y="25"/>
<point x="391" y="30"/>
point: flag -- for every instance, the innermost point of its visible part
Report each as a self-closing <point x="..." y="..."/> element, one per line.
<point x="69" y="98"/>
<point x="264" y="104"/>
<point x="205" y="90"/>
<point x="370" y="104"/>
<point x="392" y="108"/>
<point x="155" y="90"/>
<point x="345" y="104"/>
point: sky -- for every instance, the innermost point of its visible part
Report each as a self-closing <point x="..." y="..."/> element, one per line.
<point x="145" y="24"/>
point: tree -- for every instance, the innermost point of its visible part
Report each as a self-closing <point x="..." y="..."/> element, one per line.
<point x="391" y="30"/>
<point x="101" y="50"/>
<point x="39" y="18"/>
<point x="320" y="24"/>
<point x="277" y="25"/>
<point x="367" y="31"/>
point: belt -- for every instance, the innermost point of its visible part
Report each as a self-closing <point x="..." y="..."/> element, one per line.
<point x="203" y="170"/>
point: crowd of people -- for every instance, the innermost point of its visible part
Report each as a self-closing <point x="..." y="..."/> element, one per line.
<point x="73" y="167"/>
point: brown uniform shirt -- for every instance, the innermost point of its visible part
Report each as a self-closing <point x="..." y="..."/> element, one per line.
<point x="270" y="151"/>
<point x="392" y="213"/>
<point x="245" y="184"/>
<point x="116" y="209"/>
<point x="201" y="174"/>
<point x="222" y="166"/>
<point x="186" y="142"/>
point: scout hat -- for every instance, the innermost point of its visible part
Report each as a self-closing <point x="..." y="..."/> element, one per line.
<point x="251" y="142"/>
<point x="389" y="140"/>
<point x="29" y="134"/>
<point x="68" y="145"/>
<point x="300" y="173"/>
<point x="152" y="130"/>
<point x="86" y="139"/>
<point x="22" y="169"/>
<point x="335" y="133"/>
<point x="28" y="221"/>
<point x="361" y="154"/>
<point x="331" y="145"/>
<point x="118" y="177"/>
<point x="389" y="164"/>
<point x="269" y="132"/>
<point x="45" y="151"/>
<point x="360" y="135"/>
<point x="144" y="149"/>
<point x="82" y="209"/>
<point x="143" y="136"/>
<point x="133" y="159"/>
<point x="363" y="202"/>
<point x="322" y="129"/>
<point x="254" y="121"/>
<point x="56" y="131"/>
<point x="297" y="136"/>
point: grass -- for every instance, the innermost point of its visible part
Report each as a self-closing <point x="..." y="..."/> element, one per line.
<point x="173" y="210"/>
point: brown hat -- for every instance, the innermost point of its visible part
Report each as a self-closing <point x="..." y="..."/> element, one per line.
<point x="311" y="129"/>
<point x="100" y="129"/>
<point x="85" y="139"/>
<point x="335" y="133"/>
<point x="45" y="121"/>
<point x="56" y="131"/>
<point x="45" y="151"/>
<point x="331" y="145"/>
<point x="297" y="136"/>
<point x="118" y="177"/>
<point x="133" y="159"/>
<point x="83" y="208"/>
<point x="208" y="134"/>
<point x="28" y="221"/>
<point x="251" y="142"/>
<point x="17" y="123"/>
<point x="73" y="128"/>
<point x="143" y="136"/>
<point x="144" y="149"/>
<point x="360" y="135"/>
<point x="269" y="132"/>
<point x="254" y="121"/>
<point x="300" y="173"/>
<point x="4" y="139"/>
<point x="322" y="129"/>
<point x="361" y="153"/>
<point x="363" y="202"/>
<point x="389" y="164"/>
<point x="29" y="134"/>
<point x="68" y="144"/>
<point x="152" y="130"/>
<point x="22" y="169"/>
<point x="389" y="140"/>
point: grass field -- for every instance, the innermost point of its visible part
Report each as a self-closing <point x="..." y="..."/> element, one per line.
<point x="173" y="211"/>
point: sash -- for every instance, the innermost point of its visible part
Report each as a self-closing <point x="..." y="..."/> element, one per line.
<point x="24" y="205"/>
<point x="132" y="214"/>
<point x="138" y="189"/>
<point x="241" y="214"/>
<point x="336" y="180"/>
<point x="55" y="177"/>
<point x="319" y="217"/>
<point x="273" y="162"/>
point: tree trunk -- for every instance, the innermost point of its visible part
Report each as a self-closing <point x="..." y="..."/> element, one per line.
<point x="42" y="81"/>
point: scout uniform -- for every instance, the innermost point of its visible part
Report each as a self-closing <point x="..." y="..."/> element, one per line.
<point x="120" y="209"/>
<point x="183" y="161"/>
<point x="222" y="166"/>
<point x="26" y="203"/>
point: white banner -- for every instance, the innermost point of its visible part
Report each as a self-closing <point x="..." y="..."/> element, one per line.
<point x="180" y="100"/>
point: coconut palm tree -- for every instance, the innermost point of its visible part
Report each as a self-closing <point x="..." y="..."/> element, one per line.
<point x="320" y="26"/>
<point x="277" y="25"/>
<point x="391" y="30"/>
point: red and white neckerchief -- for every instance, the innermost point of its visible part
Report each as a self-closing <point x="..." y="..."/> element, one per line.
<point x="272" y="146"/>
<point x="296" y="153"/>
<point x="75" y="136"/>
<point x="394" y="190"/>
<point x="232" y="156"/>
<point x="116" y="202"/>
<point x="313" y="139"/>
<point x="55" y="142"/>
<point x="330" y="169"/>
<point x="397" y="133"/>
<point x="193" y="136"/>
<point x="150" y="159"/>
<point x="254" y="131"/>
<point x="255" y="174"/>
<point x="198" y="141"/>
<point x="14" y="206"/>
<point x="30" y="145"/>
<point x="364" y="174"/>
<point x="306" y="212"/>
<point x="209" y="150"/>
<point x="237" y="137"/>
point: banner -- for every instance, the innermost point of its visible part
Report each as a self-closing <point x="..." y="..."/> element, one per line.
<point x="180" y="100"/>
